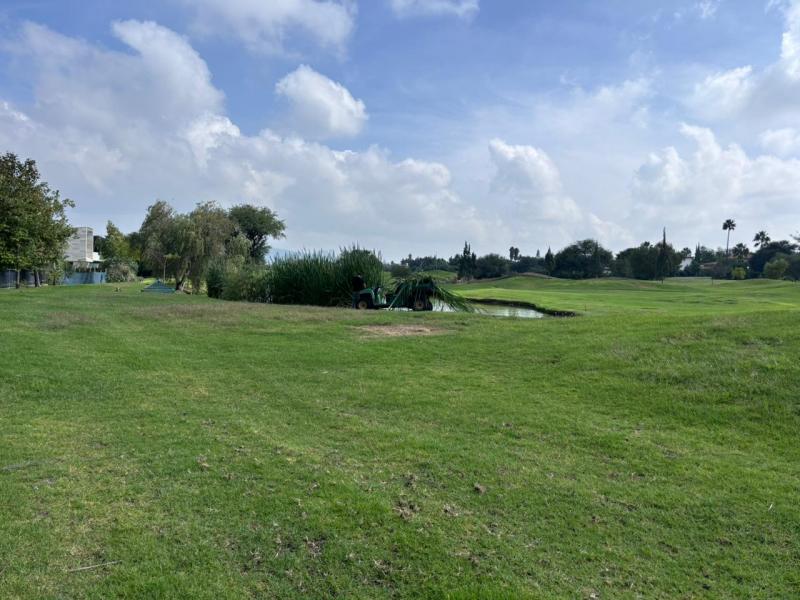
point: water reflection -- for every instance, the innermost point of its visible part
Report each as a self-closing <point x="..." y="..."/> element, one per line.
<point x="495" y="310"/>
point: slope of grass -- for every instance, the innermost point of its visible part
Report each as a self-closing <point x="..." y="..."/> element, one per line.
<point x="197" y="448"/>
<point x="678" y="296"/>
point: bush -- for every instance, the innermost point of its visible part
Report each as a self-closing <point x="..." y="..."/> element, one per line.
<point x="250" y="283"/>
<point x="121" y="271"/>
<point x="739" y="273"/>
<point x="776" y="268"/>
<point x="215" y="278"/>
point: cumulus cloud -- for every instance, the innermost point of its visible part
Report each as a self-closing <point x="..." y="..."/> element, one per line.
<point x="783" y="142"/>
<point x="723" y="94"/>
<point x="790" y="43"/>
<point x="463" y="9"/>
<point x="266" y="26"/>
<point x="320" y="107"/>
<point x="117" y="130"/>
<point x="713" y="183"/>
<point x="529" y="178"/>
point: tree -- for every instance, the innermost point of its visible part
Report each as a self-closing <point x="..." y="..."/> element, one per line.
<point x="155" y="234"/>
<point x="794" y="267"/>
<point x="549" y="261"/>
<point x="760" y="258"/>
<point x="582" y="260"/>
<point x="33" y="225"/>
<point x="648" y="261"/>
<point x="513" y="254"/>
<point x="467" y="262"/>
<point x="729" y="225"/>
<point x="741" y="251"/>
<point x="116" y="253"/>
<point x="776" y="268"/>
<point x="664" y="259"/>
<point x="210" y="229"/>
<point x="258" y="224"/>
<point x="491" y="265"/>
<point x="761" y="239"/>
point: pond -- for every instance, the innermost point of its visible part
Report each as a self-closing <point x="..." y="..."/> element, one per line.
<point x="496" y="310"/>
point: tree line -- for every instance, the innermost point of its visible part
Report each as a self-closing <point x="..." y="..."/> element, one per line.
<point x="586" y="259"/>
<point x="184" y="247"/>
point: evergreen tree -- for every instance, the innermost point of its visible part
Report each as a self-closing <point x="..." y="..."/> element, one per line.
<point x="549" y="261"/>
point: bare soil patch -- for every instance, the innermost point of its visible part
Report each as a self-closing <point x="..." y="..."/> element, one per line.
<point x="399" y="330"/>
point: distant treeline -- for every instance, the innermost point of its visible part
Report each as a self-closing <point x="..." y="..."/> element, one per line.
<point x="586" y="259"/>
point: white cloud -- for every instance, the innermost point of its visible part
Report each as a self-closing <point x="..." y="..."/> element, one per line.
<point x="320" y="107"/>
<point x="463" y="9"/>
<point x="790" y="44"/>
<point x="714" y="183"/>
<point x="529" y="178"/>
<point x="267" y="25"/>
<point x="116" y="130"/>
<point x="723" y="94"/>
<point x="783" y="142"/>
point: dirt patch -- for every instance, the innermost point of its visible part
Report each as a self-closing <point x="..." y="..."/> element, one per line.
<point x="399" y="330"/>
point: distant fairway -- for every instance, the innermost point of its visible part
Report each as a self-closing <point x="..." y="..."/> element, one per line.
<point x="673" y="297"/>
<point x="171" y="446"/>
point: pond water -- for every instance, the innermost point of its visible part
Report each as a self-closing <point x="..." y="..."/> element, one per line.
<point x="496" y="310"/>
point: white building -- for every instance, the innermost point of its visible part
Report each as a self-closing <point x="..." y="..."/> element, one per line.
<point x="80" y="248"/>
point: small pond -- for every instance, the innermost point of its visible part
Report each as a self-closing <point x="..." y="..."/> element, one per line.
<point x="496" y="310"/>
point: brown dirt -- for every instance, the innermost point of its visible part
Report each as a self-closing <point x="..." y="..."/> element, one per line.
<point x="399" y="330"/>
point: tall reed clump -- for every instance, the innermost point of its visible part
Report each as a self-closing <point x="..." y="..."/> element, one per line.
<point x="322" y="279"/>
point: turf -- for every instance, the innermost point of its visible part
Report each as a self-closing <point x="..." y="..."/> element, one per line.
<point x="184" y="447"/>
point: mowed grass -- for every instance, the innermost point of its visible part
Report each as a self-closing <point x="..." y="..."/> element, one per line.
<point x="198" y="448"/>
<point x="673" y="297"/>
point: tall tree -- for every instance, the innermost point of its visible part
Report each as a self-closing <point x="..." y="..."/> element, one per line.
<point x="211" y="229"/>
<point x="258" y="224"/>
<point x="33" y="223"/>
<point x="728" y="225"/>
<point x="549" y="261"/>
<point x="467" y="262"/>
<point x="155" y="234"/>
<point x="664" y="264"/>
<point x="761" y="239"/>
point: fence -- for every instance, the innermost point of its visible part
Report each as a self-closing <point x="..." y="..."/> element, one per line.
<point x="8" y="279"/>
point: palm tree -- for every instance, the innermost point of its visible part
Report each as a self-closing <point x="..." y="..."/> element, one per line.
<point x="729" y="225"/>
<point x="762" y="239"/>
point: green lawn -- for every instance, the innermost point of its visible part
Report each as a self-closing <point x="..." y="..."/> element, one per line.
<point x="197" y="448"/>
<point x="678" y="296"/>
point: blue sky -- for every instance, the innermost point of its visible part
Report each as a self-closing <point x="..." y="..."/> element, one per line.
<point x="412" y="125"/>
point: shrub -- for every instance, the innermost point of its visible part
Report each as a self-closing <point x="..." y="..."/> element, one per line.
<point x="776" y="268"/>
<point x="739" y="273"/>
<point x="215" y="278"/>
<point x="121" y="271"/>
<point x="250" y="283"/>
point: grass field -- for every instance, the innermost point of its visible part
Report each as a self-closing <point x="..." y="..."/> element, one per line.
<point x="169" y="446"/>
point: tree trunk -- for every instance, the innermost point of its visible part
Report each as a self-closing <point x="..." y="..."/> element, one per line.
<point x="17" y="285"/>
<point x="37" y="282"/>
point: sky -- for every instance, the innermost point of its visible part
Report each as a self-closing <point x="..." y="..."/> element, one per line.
<point x="412" y="126"/>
